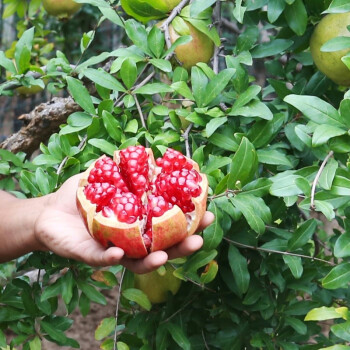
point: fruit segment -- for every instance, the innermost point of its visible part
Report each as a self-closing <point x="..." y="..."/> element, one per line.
<point x="139" y="204"/>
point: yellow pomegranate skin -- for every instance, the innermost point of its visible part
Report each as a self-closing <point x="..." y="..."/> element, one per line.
<point x="61" y="8"/>
<point x="157" y="286"/>
<point x="330" y="63"/>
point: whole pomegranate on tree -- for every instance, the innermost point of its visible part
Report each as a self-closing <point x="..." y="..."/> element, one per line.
<point x="199" y="49"/>
<point x="139" y="204"/>
<point x="330" y="63"/>
<point x="157" y="284"/>
<point x="61" y="8"/>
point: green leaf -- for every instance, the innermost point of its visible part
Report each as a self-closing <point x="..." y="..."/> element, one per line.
<point x="244" y="165"/>
<point x="35" y="344"/>
<point x="213" y="234"/>
<point x="161" y="64"/>
<point x="315" y="109"/>
<point x="156" y="41"/>
<point x="274" y="9"/>
<point x="112" y="126"/>
<point x="342" y="246"/>
<point x="23" y="50"/>
<point x="155" y="88"/>
<point x="296" y="17"/>
<point x="295" y="265"/>
<point x="92" y="293"/>
<point x="246" y="96"/>
<point x="67" y="287"/>
<point x="138" y="35"/>
<point x="105" y="328"/>
<point x="336" y="44"/>
<point x="52" y="291"/>
<point x="138" y="297"/>
<point x="325" y="132"/>
<point x="302" y="234"/>
<point x="341" y="185"/>
<point x="298" y="325"/>
<point x="128" y="72"/>
<point x="239" y="268"/>
<point x="342" y="330"/>
<point x="271" y="48"/>
<point x="199" y="83"/>
<point x="338" y="277"/>
<point x="217" y="85"/>
<point x="254" y="109"/>
<point x="182" y="88"/>
<point x="338" y="6"/>
<point x="112" y="15"/>
<point x="214" y="124"/>
<point x="57" y="335"/>
<point x="326" y="313"/>
<point x="284" y="185"/>
<point x="328" y="174"/>
<point x="101" y="77"/>
<point x="103" y="145"/>
<point x="7" y="63"/>
<point x="325" y="208"/>
<point x="178" y="335"/>
<point x="42" y="181"/>
<point x="273" y="157"/>
<point x="80" y="94"/>
<point x="197" y="6"/>
<point x="244" y="203"/>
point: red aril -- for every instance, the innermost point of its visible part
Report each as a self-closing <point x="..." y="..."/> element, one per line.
<point x="139" y="204"/>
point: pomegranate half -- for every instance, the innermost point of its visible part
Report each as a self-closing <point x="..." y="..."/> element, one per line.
<point x="141" y="205"/>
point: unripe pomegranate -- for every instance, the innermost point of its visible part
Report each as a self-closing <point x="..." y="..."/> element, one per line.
<point x="200" y="49"/>
<point x="139" y="204"/>
<point x="61" y="8"/>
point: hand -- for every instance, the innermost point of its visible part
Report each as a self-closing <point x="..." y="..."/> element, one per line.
<point x="60" y="229"/>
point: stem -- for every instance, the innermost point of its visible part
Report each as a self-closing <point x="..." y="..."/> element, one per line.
<point x="165" y="26"/>
<point x="217" y="18"/>
<point x="187" y="143"/>
<point x="117" y="309"/>
<point x="314" y="184"/>
<point x="277" y="251"/>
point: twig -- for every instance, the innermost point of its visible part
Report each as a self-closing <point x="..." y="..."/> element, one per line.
<point x="314" y="184"/>
<point x="64" y="161"/>
<point x="205" y="342"/>
<point x="117" y="309"/>
<point x="143" y="122"/>
<point x="187" y="143"/>
<point x="179" y="310"/>
<point x="277" y="251"/>
<point x="217" y="16"/>
<point x="230" y="25"/>
<point x="165" y="26"/>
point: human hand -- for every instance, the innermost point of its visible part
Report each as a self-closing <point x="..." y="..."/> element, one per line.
<point x="60" y="229"/>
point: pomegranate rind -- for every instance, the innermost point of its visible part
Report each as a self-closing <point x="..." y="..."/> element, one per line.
<point x="110" y="231"/>
<point x="200" y="206"/>
<point x="168" y="229"/>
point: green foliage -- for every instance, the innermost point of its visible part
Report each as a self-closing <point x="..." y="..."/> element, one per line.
<point x="276" y="153"/>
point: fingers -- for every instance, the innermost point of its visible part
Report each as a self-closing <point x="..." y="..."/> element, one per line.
<point x="187" y="247"/>
<point x="207" y="220"/>
<point x="149" y="263"/>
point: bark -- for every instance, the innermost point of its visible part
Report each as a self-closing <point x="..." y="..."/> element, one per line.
<point x="40" y="124"/>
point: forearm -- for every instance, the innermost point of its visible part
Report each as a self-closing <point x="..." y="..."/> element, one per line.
<point x="17" y="225"/>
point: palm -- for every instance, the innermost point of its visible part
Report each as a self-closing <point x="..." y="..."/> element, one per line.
<point x="63" y="232"/>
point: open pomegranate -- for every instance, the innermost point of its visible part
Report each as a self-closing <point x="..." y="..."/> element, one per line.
<point x="139" y="204"/>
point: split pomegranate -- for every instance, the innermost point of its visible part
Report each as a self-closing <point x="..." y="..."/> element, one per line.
<point x="139" y="204"/>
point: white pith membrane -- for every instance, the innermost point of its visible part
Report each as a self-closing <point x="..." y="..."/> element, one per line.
<point x="187" y="222"/>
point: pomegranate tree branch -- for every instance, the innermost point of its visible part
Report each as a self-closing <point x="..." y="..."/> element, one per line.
<point x="319" y="173"/>
<point x="117" y="309"/>
<point x="165" y="26"/>
<point x="217" y="19"/>
<point x="40" y="124"/>
<point x="185" y="135"/>
<point x="230" y="26"/>
<point x="238" y="244"/>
